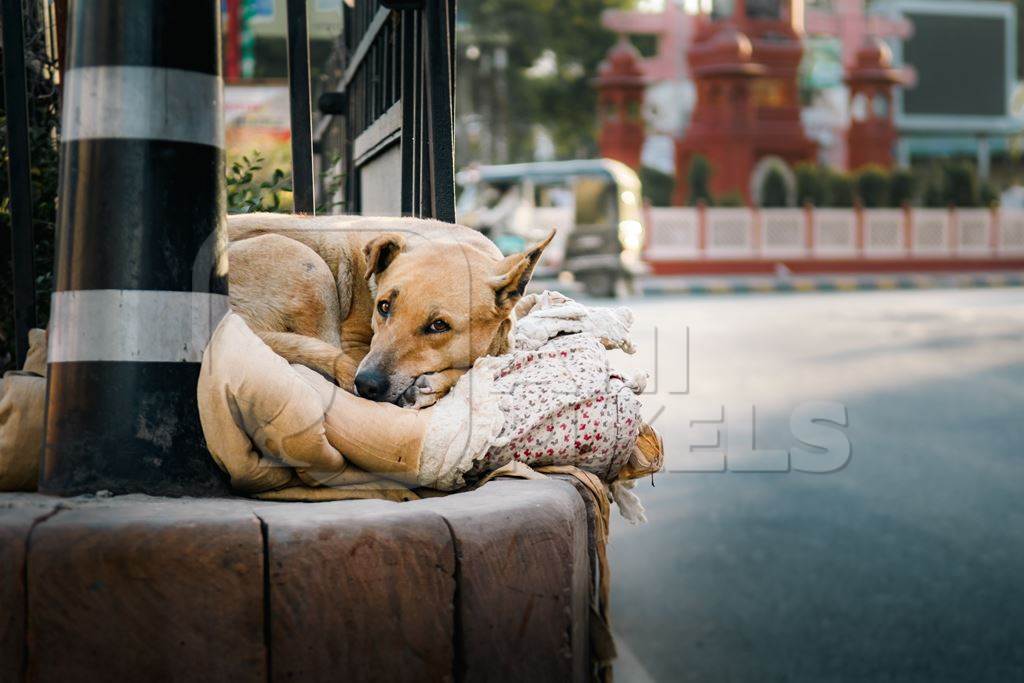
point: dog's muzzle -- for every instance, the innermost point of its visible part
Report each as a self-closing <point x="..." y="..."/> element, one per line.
<point x="372" y="384"/>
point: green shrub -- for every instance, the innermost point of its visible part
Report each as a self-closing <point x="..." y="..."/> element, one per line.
<point x="902" y="187"/>
<point x="657" y="186"/>
<point x="774" y="190"/>
<point x="810" y="185"/>
<point x="733" y="200"/>
<point x="989" y="195"/>
<point x="245" y="194"/>
<point x="934" y="193"/>
<point x="699" y="180"/>
<point x="961" y="184"/>
<point x="873" y="186"/>
<point x="841" y="191"/>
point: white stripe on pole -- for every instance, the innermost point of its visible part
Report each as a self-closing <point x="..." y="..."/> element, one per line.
<point x="132" y="325"/>
<point x="144" y="103"/>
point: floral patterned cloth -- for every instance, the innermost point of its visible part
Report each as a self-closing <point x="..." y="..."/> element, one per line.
<point x="563" y="405"/>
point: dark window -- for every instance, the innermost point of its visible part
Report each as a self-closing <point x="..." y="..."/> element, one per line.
<point x="961" y="65"/>
<point x="764" y="9"/>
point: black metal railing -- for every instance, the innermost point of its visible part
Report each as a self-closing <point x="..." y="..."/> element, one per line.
<point x="396" y="91"/>
<point x="19" y="170"/>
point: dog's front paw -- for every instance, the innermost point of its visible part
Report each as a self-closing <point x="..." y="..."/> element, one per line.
<point x="423" y="392"/>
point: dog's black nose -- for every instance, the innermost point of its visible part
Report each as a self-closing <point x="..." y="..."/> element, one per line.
<point x="372" y="384"/>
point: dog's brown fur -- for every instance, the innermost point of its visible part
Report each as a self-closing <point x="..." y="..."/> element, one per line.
<point x="312" y="289"/>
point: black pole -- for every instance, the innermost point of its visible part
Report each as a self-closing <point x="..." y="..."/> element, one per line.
<point x="19" y="165"/>
<point x="141" y="272"/>
<point x="301" y="116"/>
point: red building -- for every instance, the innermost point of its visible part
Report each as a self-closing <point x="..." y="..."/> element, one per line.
<point x="748" y="106"/>
<point x="872" y="133"/>
<point x="620" y="95"/>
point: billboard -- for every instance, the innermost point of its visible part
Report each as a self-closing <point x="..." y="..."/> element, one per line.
<point x="965" y="55"/>
<point x="970" y="78"/>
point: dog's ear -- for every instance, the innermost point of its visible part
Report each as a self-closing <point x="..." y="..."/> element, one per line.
<point x="381" y="251"/>
<point x="515" y="272"/>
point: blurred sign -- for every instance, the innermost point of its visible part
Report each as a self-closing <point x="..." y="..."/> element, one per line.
<point x="961" y="62"/>
<point x="822" y="66"/>
<point x="966" y="61"/>
<point x="256" y="118"/>
<point x="260" y="8"/>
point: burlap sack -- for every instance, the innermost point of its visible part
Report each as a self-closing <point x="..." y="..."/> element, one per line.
<point x="23" y="418"/>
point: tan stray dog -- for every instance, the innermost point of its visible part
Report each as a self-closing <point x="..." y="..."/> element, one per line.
<point x="395" y="308"/>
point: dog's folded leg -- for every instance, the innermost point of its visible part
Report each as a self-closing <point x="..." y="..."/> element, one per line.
<point x="345" y="367"/>
<point x="314" y="353"/>
<point x="356" y="332"/>
<point x="352" y="353"/>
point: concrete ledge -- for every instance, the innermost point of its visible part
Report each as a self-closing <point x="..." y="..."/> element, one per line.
<point x="19" y="513"/>
<point x="147" y="590"/>
<point x="489" y="585"/>
<point x="359" y="590"/>
<point x="523" y="574"/>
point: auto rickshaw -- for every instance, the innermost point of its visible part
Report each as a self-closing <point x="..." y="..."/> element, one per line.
<point x="595" y="204"/>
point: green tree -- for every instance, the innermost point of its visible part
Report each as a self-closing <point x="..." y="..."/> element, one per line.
<point x="698" y="180"/>
<point x="873" y="186"/>
<point x="563" y="101"/>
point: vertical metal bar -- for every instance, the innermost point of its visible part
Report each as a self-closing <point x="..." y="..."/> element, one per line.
<point x="349" y="22"/>
<point x="439" y="15"/>
<point x="61" y="18"/>
<point x="19" y="166"/>
<point x="408" y="84"/>
<point x="301" y="110"/>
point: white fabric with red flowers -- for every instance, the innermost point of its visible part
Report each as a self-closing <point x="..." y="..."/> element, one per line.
<point x="550" y="402"/>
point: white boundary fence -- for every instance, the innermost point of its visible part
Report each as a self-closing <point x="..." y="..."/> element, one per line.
<point x="880" y="235"/>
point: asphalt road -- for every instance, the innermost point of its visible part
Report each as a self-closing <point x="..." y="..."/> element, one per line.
<point x="906" y="564"/>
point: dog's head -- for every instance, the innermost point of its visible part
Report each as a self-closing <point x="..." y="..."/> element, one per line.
<point x="438" y="305"/>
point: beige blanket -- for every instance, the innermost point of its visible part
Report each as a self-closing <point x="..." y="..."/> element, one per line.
<point x="267" y="425"/>
<point x="22" y="418"/>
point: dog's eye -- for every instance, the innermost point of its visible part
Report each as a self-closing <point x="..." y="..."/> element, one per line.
<point x="384" y="307"/>
<point x="438" y="326"/>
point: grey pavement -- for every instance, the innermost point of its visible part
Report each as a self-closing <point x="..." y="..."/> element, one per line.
<point x="907" y="564"/>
